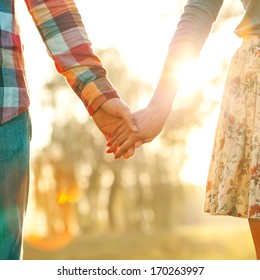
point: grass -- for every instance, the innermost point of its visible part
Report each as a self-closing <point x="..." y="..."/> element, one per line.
<point x="185" y="243"/>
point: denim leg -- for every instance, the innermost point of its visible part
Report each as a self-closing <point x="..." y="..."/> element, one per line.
<point x="14" y="184"/>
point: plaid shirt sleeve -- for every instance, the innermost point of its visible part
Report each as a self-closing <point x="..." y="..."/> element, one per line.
<point x="65" y="37"/>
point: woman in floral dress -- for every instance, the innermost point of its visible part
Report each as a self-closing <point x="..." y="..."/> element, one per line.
<point x="233" y="185"/>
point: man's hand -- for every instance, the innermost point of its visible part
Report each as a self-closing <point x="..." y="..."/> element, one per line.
<point x="111" y="115"/>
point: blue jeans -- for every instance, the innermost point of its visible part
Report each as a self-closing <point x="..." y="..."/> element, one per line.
<point x="14" y="184"/>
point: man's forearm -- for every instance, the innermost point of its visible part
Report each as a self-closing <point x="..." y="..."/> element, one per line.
<point x="62" y="30"/>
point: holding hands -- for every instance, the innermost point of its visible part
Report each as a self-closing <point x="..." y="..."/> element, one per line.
<point x="123" y="141"/>
<point x="112" y="114"/>
<point x="125" y="131"/>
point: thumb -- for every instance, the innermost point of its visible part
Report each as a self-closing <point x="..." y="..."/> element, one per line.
<point x="125" y="113"/>
<point x="116" y="108"/>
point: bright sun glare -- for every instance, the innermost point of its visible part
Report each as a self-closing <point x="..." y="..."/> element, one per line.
<point x="200" y="74"/>
<point x="189" y="76"/>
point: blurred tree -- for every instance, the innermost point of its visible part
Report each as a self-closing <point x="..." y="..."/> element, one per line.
<point x="78" y="187"/>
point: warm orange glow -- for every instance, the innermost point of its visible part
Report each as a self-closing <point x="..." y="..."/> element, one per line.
<point x="69" y="196"/>
<point x="50" y="242"/>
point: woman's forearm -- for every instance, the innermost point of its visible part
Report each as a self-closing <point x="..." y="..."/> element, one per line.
<point x="167" y="85"/>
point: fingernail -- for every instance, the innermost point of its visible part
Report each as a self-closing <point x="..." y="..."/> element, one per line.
<point x="108" y="144"/>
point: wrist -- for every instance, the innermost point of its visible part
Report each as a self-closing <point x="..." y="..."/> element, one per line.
<point x="159" y="109"/>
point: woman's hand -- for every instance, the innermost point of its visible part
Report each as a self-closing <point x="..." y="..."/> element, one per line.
<point x="150" y="122"/>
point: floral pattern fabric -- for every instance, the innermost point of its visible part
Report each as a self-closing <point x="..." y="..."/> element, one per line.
<point x="233" y="185"/>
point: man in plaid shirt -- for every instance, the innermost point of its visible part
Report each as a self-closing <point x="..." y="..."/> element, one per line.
<point x="64" y="35"/>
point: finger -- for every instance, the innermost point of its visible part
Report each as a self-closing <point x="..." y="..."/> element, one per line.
<point x="147" y="140"/>
<point x="111" y="150"/>
<point x="138" y="144"/>
<point x="118" y="133"/>
<point x="110" y="135"/>
<point x="130" y="152"/>
<point x="117" y="126"/>
<point x="118" y="129"/>
<point x="129" y="143"/>
<point x="126" y="114"/>
<point x="120" y="140"/>
<point x="125" y="147"/>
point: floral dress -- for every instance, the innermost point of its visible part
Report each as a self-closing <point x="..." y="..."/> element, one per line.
<point x="233" y="185"/>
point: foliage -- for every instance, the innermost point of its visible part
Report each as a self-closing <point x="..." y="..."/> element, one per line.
<point x="78" y="188"/>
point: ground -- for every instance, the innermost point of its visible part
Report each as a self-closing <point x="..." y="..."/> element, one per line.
<point x="201" y="242"/>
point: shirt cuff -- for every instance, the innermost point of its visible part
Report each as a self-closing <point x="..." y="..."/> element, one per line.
<point x="96" y="93"/>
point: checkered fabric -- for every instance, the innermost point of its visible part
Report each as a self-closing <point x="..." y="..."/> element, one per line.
<point x="65" y="37"/>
